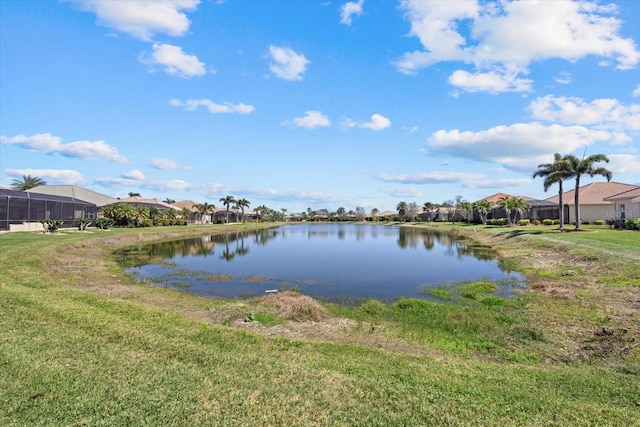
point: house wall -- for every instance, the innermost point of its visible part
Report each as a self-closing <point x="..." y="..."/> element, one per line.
<point x="631" y="210"/>
<point x="591" y="213"/>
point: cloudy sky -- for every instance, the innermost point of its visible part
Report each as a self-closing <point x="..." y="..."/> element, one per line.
<point x="321" y="104"/>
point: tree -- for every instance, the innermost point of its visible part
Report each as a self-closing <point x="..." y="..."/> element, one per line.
<point x="518" y="206"/>
<point x="185" y="213"/>
<point x="585" y="166"/>
<point x="203" y="209"/>
<point x="428" y="208"/>
<point x="341" y="213"/>
<point x="506" y="204"/>
<point x="483" y="207"/>
<point x="374" y="214"/>
<point x="402" y="210"/>
<point x="169" y="201"/>
<point x="132" y="194"/>
<point x="467" y="208"/>
<point x="27" y="182"/>
<point x="226" y="201"/>
<point x="555" y="173"/>
<point x="243" y="203"/>
<point x="360" y="213"/>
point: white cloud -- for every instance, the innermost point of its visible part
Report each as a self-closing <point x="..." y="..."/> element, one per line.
<point x="492" y="82"/>
<point x="623" y="163"/>
<point x="47" y="143"/>
<point x="407" y="192"/>
<point x="563" y="78"/>
<point x="311" y="119"/>
<point x="169" y="185"/>
<point x="212" y="107"/>
<point x="500" y="36"/>
<point x="636" y="92"/>
<point x="134" y="174"/>
<point x="142" y="18"/>
<point x="431" y="177"/>
<point x="163" y="164"/>
<point x="51" y="176"/>
<point x="349" y="9"/>
<point x="521" y="146"/>
<point x="606" y="113"/>
<point x="378" y="122"/>
<point x="286" y="63"/>
<point x="173" y="60"/>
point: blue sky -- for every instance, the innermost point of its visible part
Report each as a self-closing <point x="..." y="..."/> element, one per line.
<point x="322" y="104"/>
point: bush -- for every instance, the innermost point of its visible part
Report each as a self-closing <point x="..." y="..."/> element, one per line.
<point x="83" y="223"/>
<point x="51" y="225"/>
<point x="549" y="221"/>
<point x="104" y="223"/>
<point x="556" y="221"/>
<point x="632" y="224"/>
<point x="524" y="222"/>
<point x="536" y="222"/>
<point x="599" y="222"/>
<point x="147" y="223"/>
<point x="497" y="221"/>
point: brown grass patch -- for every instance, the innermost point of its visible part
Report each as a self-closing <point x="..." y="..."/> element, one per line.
<point x="291" y="305"/>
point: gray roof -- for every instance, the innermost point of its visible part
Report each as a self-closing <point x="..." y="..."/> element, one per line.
<point x="74" y="192"/>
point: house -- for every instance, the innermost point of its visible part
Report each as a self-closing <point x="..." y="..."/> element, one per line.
<point x="74" y="192"/>
<point x="593" y="200"/>
<point x="626" y="205"/>
<point x="23" y="210"/>
<point x="189" y="205"/>
<point x="147" y="203"/>
<point x="537" y="210"/>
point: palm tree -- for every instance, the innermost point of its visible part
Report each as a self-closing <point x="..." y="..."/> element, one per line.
<point x="506" y="204"/>
<point x="585" y="167"/>
<point x="185" y="213"/>
<point x="243" y="203"/>
<point x="467" y="208"/>
<point x="27" y="182"/>
<point x="226" y="201"/>
<point x="518" y="206"/>
<point x="555" y="173"/>
<point x="374" y="214"/>
<point x="428" y="208"/>
<point x="203" y="209"/>
<point x="132" y="194"/>
<point x="483" y="207"/>
<point x="169" y="201"/>
<point x="402" y="210"/>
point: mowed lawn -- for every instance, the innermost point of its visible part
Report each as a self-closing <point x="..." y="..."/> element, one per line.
<point x="72" y="354"/>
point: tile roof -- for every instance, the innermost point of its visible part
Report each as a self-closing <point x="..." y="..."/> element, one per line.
<point x="595" y="193"/>
<point x="629" y="194"/>
<point x="495" y="198"/>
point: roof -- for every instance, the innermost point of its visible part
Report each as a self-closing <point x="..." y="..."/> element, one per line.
<point x="595" y="193"/>
<point x="39" y="196"/>
<point x="495" y="198"/>
<point x="77" y="193"/>
<point x="142" y="201"/>
<point x="185" y="204"/>
<point x="535" y="203"/>
<point x="633" y="194"/>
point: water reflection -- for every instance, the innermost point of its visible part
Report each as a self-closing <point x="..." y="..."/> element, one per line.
<point x="332" y="261"/>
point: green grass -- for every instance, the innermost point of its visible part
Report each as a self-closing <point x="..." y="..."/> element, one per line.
<point x="70" y="355"/>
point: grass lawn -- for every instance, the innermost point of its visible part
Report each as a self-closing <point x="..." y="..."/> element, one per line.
<point x="82" y="344"/>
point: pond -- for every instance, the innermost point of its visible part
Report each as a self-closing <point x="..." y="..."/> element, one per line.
<point x="335" y="262"/>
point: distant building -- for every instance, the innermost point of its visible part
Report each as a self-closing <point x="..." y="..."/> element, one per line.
<point x="626" y="205"/>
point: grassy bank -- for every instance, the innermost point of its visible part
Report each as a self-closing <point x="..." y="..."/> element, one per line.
<point x="80" y="343"/>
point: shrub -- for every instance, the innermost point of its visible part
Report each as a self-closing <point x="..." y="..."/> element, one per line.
<point x="147" y="223"/>
<point x="83" y="223"/>
<point x="166" y="221"/>
<point x="536" y="222"/>
<point x="104" y="223"/>
<point x="497" y="221"/>
<point x="599" y="222"/>
<point x="51" y="225"/>
<point x="556" y="221"/>
<point x="524" y="222"/>
<point x="632" y="224"/>
<point x="549" y="221"/>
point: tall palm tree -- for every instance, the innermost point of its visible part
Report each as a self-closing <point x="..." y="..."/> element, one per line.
<point x="227" y="201"/>
<point x="243" y="203"/>
<point x="428" y="208"/>
<point x="555" y="173"/>
<point x="402" y="210"/>
<point x="518" y="206"/>
<point x="27" y="182"/>
<point x="585" y="167"/>
<point x="203" y="209"/>
<point x="483" y="207"/>
<point x="467" y="208"/>
<point x="506" y="204"/>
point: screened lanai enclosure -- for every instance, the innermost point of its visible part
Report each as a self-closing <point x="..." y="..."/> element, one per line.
<point x="20" y="207"/>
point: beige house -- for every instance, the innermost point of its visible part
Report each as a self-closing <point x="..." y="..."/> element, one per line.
<point x="626" y="205"/>
<point x="594" y="202"/>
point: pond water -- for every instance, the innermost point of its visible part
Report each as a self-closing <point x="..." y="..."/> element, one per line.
<point x="336" y="262"/>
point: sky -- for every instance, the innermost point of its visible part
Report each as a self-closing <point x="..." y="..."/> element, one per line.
<point x="302" y="104"/>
